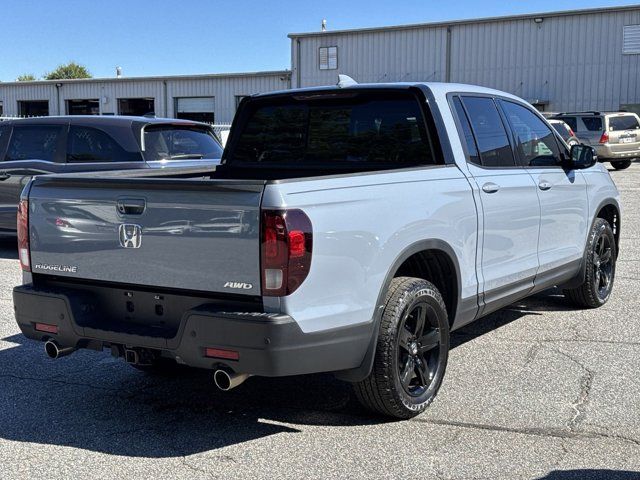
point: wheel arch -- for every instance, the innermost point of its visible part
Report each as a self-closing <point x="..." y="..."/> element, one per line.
<point x="433" y="255"/>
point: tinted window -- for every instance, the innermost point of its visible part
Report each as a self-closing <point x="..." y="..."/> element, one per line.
<point x="472" y="150"/>
<point x="86" y="144"/>
<point x="33" y="143"/>
<point x="489" y="132"/>
<point x="346" y="131"/>
<point x="627" y="122"/>
<point x="562" y="129"/>
<point x="571" y="121"/>
<point x="593" y="124"/>
<point x="171" y="142"/>
<point x="535" y="141"/>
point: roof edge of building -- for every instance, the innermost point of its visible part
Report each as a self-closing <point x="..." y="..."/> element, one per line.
<point x="466" y="21"/>
<point x="203" y="76"/>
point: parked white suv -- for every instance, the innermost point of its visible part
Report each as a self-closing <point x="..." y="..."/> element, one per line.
<point x="615" y="136"/>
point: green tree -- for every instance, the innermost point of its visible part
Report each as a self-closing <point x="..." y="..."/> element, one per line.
<point x="69" y="70"/>
<point x="26" y="77"/>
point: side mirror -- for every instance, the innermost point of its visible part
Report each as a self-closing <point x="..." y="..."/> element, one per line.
<point x="582" y="156"/>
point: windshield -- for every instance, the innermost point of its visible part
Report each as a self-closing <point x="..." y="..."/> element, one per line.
<point x="340" y="131"/>
<point x="177" y="142"/>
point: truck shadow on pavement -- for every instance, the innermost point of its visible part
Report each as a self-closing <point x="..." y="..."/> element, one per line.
<point x="90" y="401"/>
<point x="591" y="474"/>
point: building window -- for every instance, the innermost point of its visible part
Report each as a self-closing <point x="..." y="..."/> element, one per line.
<point x="1" y="110"/>
<point x="239" y="99"/>
<point x="136" y="106"/>
<point x="328" y="58"/>
<point x="33" y="108"/>
<point x="83" y="107"/>
<point x="631" y="39"/>
<point x="198" y="109"/>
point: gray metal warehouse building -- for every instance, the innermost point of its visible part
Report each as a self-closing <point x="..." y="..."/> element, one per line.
<point x="574" y="60"/>
<point x="209" y="98"/>
<point x="559" y="61"/>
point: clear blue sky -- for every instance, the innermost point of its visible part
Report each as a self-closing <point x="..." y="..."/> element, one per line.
<point x="170" y="37"/>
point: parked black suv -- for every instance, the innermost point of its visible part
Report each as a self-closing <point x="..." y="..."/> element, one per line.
<point x="70" y="144"/>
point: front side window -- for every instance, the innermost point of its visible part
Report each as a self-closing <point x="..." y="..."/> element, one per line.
<point x="535" y="141"/>
<point x="625" y="122"/>
<point x="489" y="131"/>
<point x="363" y="131"/>
<point x="85" y="144"/>
<point x="37" y="142"/>
<point x="176" y="142"/>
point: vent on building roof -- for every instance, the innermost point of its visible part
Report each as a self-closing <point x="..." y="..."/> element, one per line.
<point x="631" y="39"/>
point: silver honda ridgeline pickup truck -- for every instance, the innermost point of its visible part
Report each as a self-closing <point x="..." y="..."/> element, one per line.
<point x="347" y="230"/>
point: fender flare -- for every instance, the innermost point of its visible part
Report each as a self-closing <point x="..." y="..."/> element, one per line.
<point x="578" y="280"/>
<point x="360" y="373"/>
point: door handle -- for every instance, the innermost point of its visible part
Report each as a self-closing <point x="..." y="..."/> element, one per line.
<point x="4" y="175"/>
<point x="544" y="185"/>
<point x="131" y="206"/>
<point x="490" y="187"/>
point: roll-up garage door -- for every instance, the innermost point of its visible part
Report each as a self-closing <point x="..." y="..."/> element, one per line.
<point x="200" y="109"/>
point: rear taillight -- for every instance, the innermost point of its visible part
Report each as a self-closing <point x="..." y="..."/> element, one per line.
<point x="571" y="133"/>
<point x="604" y="138"/>
<point x="23" y="235"/>
<point x="286" y="251"/>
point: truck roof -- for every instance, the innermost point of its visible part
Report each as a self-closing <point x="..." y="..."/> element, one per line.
<point x="438" y="88"/>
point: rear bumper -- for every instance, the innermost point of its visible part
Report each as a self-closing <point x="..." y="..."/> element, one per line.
<point x="619" y="152"/>
<point x="268" y="344"/>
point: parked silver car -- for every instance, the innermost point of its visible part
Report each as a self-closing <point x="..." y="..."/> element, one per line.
<point x="565" y="132"/>
<point x="615" y="136"/>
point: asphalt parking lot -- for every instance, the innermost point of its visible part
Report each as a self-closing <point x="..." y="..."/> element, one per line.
<point x="539" y="390"/>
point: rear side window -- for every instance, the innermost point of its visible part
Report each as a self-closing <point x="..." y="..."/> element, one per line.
<point x="343" y="131"/>
<point x="571" y="121"/>
<point x="175" y="142"/>
<point x="489" y="131"/>
<point x="593" y="124"/>
<point x="86" y="144"/>
<point x="37" y="142"/>
<point x="626" y="122"/>
<point x="472" y="150"/>
<point x="536" y="143"/>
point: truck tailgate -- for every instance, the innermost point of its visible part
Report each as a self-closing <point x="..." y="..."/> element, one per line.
<point x="192" y="234"/>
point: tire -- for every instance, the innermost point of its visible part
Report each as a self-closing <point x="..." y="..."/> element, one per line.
<point x="409" y="303"/>
<point x="600" y="272"/>
<point x="621" y="164"/>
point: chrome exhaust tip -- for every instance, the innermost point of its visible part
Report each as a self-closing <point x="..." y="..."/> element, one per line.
<point x="53" y="350"/>
<point x="226" y="380"/>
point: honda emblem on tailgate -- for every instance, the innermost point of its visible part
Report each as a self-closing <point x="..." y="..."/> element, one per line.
<point x="130" y="235"/>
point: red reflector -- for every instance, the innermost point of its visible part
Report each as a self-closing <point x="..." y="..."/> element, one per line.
<point x="296" y="244"/>
<point x="220" y="353"/>
<point x="45" y="327"/>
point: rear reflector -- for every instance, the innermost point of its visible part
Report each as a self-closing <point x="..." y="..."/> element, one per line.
<point x="45" y="327"/>
<point x="220" y="353"/>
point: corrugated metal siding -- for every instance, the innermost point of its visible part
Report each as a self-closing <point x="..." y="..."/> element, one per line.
<point x="223" y="88"/>
<point x="394" y="56"/>
<point x="574" y="62"/>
